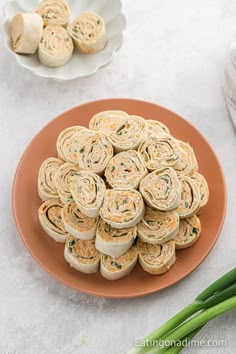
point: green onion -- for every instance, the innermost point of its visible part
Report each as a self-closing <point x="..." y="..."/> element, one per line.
<point x="217" y="299"/>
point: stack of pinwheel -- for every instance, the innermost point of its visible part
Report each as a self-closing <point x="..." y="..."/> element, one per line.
<point x="122" y="190"/>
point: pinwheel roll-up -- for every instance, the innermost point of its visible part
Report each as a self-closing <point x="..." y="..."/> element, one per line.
<point x="94" y="152"/>
<point x="54" y="12"/>
<point x="46" y="178"/>
<point x="25" y="33"/>
<point x="154" y="127"/>
<point x="128" y="133"/>
<point x="106" y="121"/>
<point x="78" y="224"/>
<point x="89" y="32"/>
<point x="203" y="188"/>
<point x="88" y="191"/>
<point x="125" y="170"/>
<point x="187" y="163"/>
<point x="122" y="209"/>
<point x="157" y="227"/>
<point x="63" y="179"/>
<point x="114" y="242"/>
<point x="82" y="255"/>
<point x="67" y="143"/>
<point x="117" y="268"/>
<point x="189" y="232"/>
<point x="161" y="189"/>
<point x="50" y="219"/>
<point x="160" y="151"/>
<point x="56" y="46"/>
<point x="190" y="198"/>
<point x="156" y="259"/>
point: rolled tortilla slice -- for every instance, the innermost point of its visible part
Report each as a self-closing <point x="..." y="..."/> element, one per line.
<point x="157" y="227"/>
<point x="89" y="32"/>
<point x="154" y="127"/>
<point x="88" y="191"/>
<point x="190" y="198"/>
<point x="160" y="151"/>
<point x="114" y="242"/>
<point x="63" y="179"/>
<point x="26" y="32"/>
<point x="64" y="142"/>
<point x="50" y="219"/>
<point x="122" y="209"/>
<point x="46" y="178"/>
<point x="94" y="152"/>
<point x="128" y="133"/>
<point x="187" y="163"/>
<point x="82" y="255"/>
<point x="106" y="121"/>
<point x="203" y="189"/>
<point x="56" y="46"/>
<point x="156" y="259"/>
<point x="125" y="170"/>
<point x="54" y="12"/>
<point x="78" y="224"/>
<point x="161" y="189"/>
<point x="189" y="232"/>
<point x="117" y="268"/>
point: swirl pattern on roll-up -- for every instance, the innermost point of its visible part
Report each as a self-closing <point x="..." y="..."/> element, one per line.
<point x="157" y="227"/>
<point x="114" y="242"/>
<point x="156" y="259"/>
<point x="203" y="189"/>
<point x="50" y="219"/>
<point x="117" y="268"/>
<point x="187" y="163"/>
<point x="161" y="189"/>
<point x="88" y="32"/>
<point x="63" y="179"/>
<point x="78" y="224"/>
<point x="189" y="232"/>
<point x="88" y="191"/>
<point x="122" y="209"/>
<point x="190" y="198"/>
<point x="82" y="255"/>
<point x="54" y="12"/>
<point x="128" y="133"/>
<point x="67" y="138"/>
<point x="94" y="152"/>
<point x="159" y="151"/>
<point x="106" y="121"/>
<point x="56" y="46"/>
<point x="154" y="127"/>
<point x="26" y="32"/>
<point x="125" y="170"/>
<point x="46" y="178"/>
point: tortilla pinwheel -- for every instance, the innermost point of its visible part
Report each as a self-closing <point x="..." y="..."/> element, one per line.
<point x="114" y="242"/>
<point x="156" y="259"/>
<point x="189" y="232"/>
<point x="154" y="127"/>
<point x="187" y="163"/>
<point x="54" y="12"/>
<point x="117" y="268"/>
<point x="50" y="219"/>
<point x="190" y="198"/>
<point x="125" y="170"/>
<point x="46" y="178"/>
<point x="106" y="121"/>
<point x="203" y="189"/>
<point x="82" y="255"/>
<point x="78" y="224"/>
<point x="122" y="209"/>
<point x="63" y="179"/>
<point x="67" y="138"/>
<point x="157" y="227"/>
<point x="88" y="191"/>
<point x="161" y="189"/>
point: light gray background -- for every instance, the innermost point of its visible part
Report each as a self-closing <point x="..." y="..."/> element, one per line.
<point x="173" y="55"/>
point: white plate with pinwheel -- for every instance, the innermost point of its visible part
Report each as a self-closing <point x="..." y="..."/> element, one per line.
<point x="63" y="39"/>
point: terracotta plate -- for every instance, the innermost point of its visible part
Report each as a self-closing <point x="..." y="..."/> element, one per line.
<point x="49" y="254"/>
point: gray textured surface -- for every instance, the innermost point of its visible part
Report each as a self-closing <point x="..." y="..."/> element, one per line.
<point x="173" y="55"/>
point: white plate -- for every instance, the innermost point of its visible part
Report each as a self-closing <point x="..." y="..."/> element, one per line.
<point x="80" y="65"/>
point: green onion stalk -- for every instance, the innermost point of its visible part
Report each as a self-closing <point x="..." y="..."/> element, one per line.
<point x="218" y="298"/>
